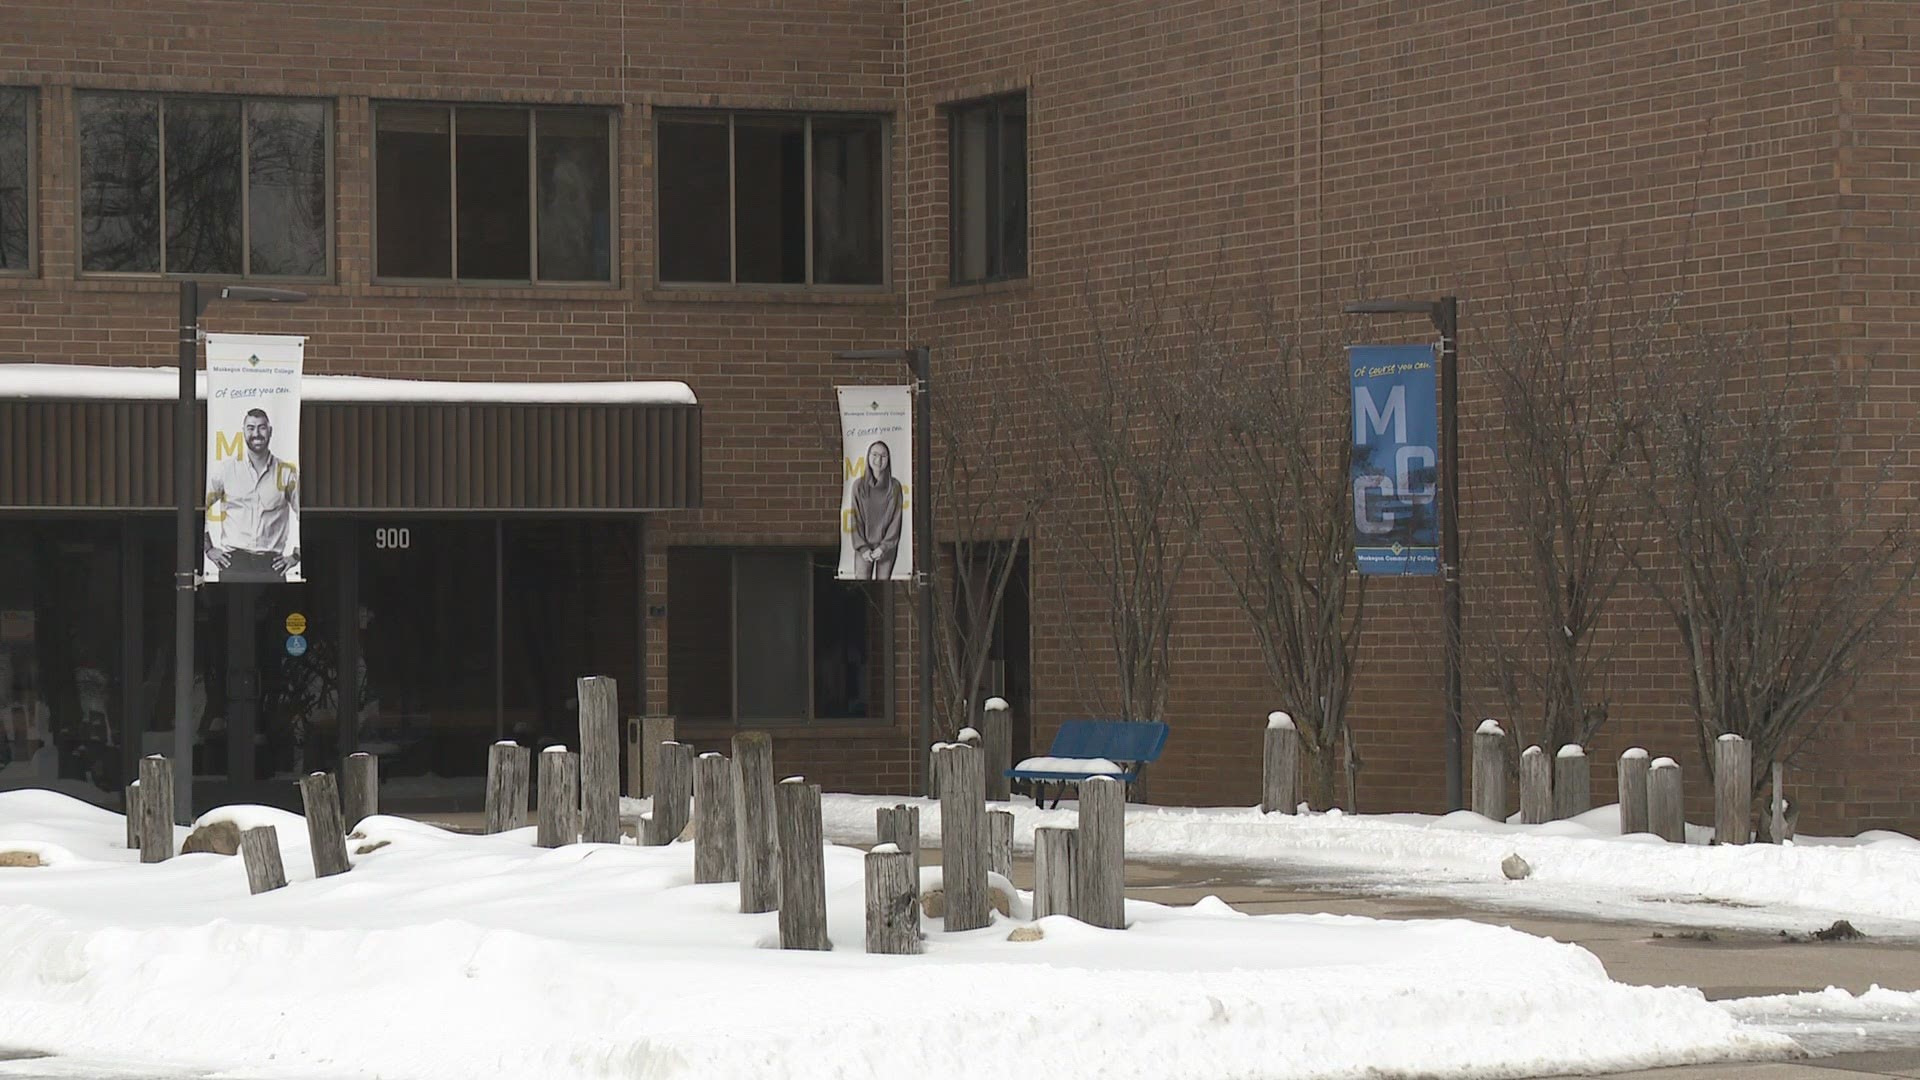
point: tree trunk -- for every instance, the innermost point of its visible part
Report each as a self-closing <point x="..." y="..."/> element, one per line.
<point x="1323" y="777"/>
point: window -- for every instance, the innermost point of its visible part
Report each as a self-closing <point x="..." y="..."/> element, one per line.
<point x="203" y="185"/>
<point x="16" y="180"/>
<point x="987" y="189"/>
<point x="772" y="199"/>
<point x="764" y="635"/>
<point x="492" y="193"/>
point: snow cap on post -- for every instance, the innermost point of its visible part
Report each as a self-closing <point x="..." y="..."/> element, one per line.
<point x="554" y="750"/>
<point x="995" y="704"/>
<point x="1730" y="737"/>
<point x="1490" y="726"/>
<point x="1633" y="752"/>
<point x="1278" y="719"/>
<point x="1533" y="750"/>
<point x="1571" y="750"/>
<point x="968" y="735"/>
<point x="1664" y="763"/>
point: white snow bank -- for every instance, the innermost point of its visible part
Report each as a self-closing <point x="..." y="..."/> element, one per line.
<point x="82" y="381"/>
<point x="451" y="956"/>
<point x="1070" y="765"/>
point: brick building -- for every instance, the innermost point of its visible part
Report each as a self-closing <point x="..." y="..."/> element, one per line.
<point x="727" y="196"/>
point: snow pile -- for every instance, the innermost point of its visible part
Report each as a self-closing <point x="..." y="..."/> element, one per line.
<point x="442" y="955"/>
<point x="1070" y="765"/>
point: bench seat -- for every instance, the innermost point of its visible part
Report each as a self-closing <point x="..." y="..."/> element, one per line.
<point x="1083" y="749"/>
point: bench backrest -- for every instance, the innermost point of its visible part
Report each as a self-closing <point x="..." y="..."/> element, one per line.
<point x="1115" y="740"/>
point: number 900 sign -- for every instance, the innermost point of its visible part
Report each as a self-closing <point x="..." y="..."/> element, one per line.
<point x="392" y="538"/>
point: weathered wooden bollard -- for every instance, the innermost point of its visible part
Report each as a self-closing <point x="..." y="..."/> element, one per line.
<point x="320" y="797"/>
<point x="1053" y="870"/>
<point x="359" y="789"/>
<point x="133" y="816"/>
<point x="893" y="902"/>
<point x="559" y="823"/>
<point x="1633" y="791"/>
<point x="599" y="698"/>
<point x="900" y="826"/>
<point x="1490" y="771"/>
<point x="1000" y="842"/>
<point x="1732" y="790"/>
<point x="508" y="765"/>
<point x="672" y="795"/>
<point x="1665" y="808"/>
<point x="1280" y="766"/>
<point x="260" y="851"/>
<point x="1572" y="782"/>
<point x="1536" y="787"/>
<point x="996" y="729"/>
<point x="644" y="736"/>
<point x="803" y="870"/>
<point x="1777" y="833"/>
<point x="156" y="809"/>
<point x="753" y="822"/>
<point x="963" y="838"/>
<point x="714" y="842"/>
<point x="1099" y="888"/>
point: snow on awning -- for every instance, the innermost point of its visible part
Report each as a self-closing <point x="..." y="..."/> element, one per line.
<point x="79" y="382"/>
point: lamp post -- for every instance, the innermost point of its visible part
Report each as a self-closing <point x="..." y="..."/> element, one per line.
<point x="186" y="577"/>
<point x="918" y="359"/>
<point x="1445" y="314"/>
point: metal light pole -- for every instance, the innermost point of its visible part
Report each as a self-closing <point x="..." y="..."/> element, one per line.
<point x="1445" y="313"/>
<point x="186" y="575"/>
<point x="919" y="361"/>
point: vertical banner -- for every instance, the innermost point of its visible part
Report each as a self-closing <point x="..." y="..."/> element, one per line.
<point x="1396" y="428"/>
<point x="253" y="441"/>
<point x="876" y="450"/>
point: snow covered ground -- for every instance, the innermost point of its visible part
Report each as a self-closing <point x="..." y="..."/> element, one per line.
<point x="1581" y="866"/>
<point x="443" y="955"/>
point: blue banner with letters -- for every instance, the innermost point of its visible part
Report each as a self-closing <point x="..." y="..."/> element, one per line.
<point x="1396" y="459"/>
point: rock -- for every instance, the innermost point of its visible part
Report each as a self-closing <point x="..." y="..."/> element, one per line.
<point x="368" y="849"/>
<point x="686" y="834"/>
<point x="1839" y="931"/>
<point x="933" y="902"/>
<point x="1001" y="902"/>
<point x="20" y="859"/>
<point x="219" y="838"/>
<point x="1515" y="867"/>
<point x="1026" y="933"/>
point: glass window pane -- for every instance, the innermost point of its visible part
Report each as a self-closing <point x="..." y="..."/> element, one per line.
<point x="414" y="203"/>
<point x="16" y="135"/>
<point x="203" y="185"/>
<point x="847" y="645"/>
<point x="770" y="200"/>
<point x="770" y="619"/>
<point x="573" y="609"/>
<point x="1012" y="214"/>
<point x="491" y="191"/>
<point x="968" y="188"/>
<point x="700" y="633"/>
<point x="119" y="183"/>
<point x="693" y="200"/>
<point x="848" y="188"/>
<point x="576" y="205"/>
<point x="287" y="188"/>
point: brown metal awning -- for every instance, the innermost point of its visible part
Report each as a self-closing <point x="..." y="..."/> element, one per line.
<point x="102" y="454"/>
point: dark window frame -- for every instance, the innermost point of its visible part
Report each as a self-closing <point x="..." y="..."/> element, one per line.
<point x="807" y="118"/>
<point x="610" y="114"/>
<point x="30" y="266"/>
<point x="329" y="111"/>
<point x="994" y="107"/>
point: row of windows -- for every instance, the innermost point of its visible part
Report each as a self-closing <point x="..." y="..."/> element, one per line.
<point x="231" y="187"/>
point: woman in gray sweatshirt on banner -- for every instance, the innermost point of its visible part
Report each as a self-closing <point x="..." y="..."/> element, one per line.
<point x="877" y="499"/>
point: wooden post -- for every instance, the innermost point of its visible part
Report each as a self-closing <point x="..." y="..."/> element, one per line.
<point x="260" y="850"/>
<point x="1778" y="834"/>
<point x="1732" y="790"/>
<point x="156" y="809"/>
<point x="1280" y="766"/>
<point x="1633" y="791"/>
<point x="1665" y="810"/>
<point x="325" y="831"/>
<point x="1572" y="782"/>
<point x="1490" y="771"/>
<point x="559" y="823"/>
<point x="714" y="849"/>
<point x="963" y="838"/>
<point x="1000" y="842"/>
<point x="672" y="794"/>
<point x="508" y="764"/>
<point x="599" y="698"/>
<point x="1536" y="787"/>
<point x="654" y="731"/>
<point x="996" y="727"/>
<point x="1100" y="882"/>
<point x="1053" y="870"/>
<point x="893" y="902"/>
<point x="636" y="761"/>
<point x="753" y="822"/>
<point x="900" y="826"/>
<point x="133" y="816"/>
<point x="803" y="870"/>
<point x="360" y="789"/>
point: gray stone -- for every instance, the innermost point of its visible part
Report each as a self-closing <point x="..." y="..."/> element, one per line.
<point x="219" y="838"/>
<point x="1515" y="867"/>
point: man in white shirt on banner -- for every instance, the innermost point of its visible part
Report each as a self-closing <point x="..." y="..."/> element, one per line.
<point x="258" y="499"/>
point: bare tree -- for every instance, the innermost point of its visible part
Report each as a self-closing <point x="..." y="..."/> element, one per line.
<point x="1784" y="553"/>
<point x="1275" y="439"/>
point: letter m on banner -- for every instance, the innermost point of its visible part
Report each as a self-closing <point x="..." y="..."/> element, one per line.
<point x="1395" y="473"/>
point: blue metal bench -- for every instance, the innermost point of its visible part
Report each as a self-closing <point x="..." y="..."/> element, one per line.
<point x="1132" y="746"/>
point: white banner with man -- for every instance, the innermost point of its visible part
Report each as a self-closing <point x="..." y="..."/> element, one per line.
<point x="876" y="519"/>
<point x="253" y="440"/>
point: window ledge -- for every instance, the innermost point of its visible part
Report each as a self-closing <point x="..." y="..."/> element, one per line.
<point x="871" y="296"/>
<point x="1008" y="286"/>
<point x="444" y="291"/>
<point x="792" y="730"/>
<point x="143" y="283"/>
